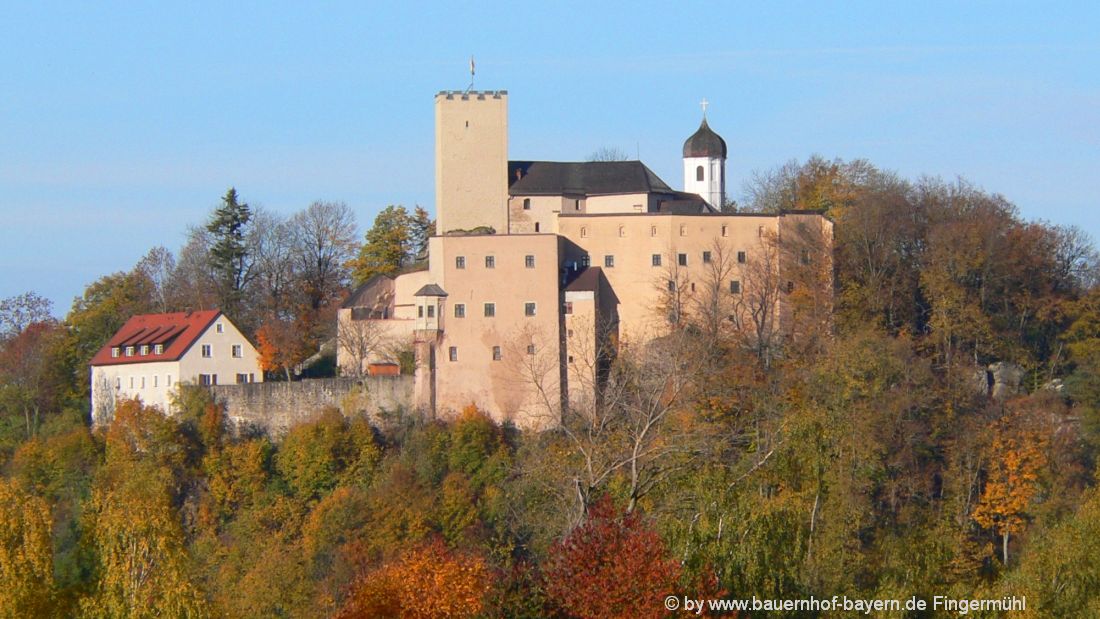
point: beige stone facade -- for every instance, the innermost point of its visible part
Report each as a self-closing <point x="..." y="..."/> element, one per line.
<point x="585" y="256"/>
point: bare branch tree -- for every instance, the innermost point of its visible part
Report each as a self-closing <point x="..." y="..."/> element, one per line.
<point x="359" y="341"/>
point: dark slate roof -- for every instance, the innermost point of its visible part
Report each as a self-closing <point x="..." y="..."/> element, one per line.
<point x="430" y="290"/>
<point x="705" y="143"/>
<point x="588" y="279"/>
<point x="587" y="178"/>
<point x="685" y="204"/>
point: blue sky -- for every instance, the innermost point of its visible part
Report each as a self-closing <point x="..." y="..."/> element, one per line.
<point x="123" y="123"/>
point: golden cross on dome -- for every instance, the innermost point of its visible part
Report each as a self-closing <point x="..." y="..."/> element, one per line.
<point x="704" y="103"/>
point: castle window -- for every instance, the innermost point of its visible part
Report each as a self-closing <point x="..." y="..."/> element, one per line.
<point x="576" y="205"/>
<point x="131" y="382"/>
<point x="118" y="382"/>
<point x="129" y="351"/>
<point x="536" y="226"/>
<point x="144" y="350"/>
<point x="760" y="231"/>
<point x="725" y="230"/>
<point x="706" y="257"/>
<point x="790" y="287"/>
<point x="158" y="349"/>
<point x="460" y="262"/>
<point x="735" y="286"/>
<point x="155" y="380"/>
<point x="142" y="382"/>
<point x="622" y="231"/>
<point x="653" y="231"/>
<point x="220" y="328"/>
<point x="452" y="353"/>
<point x="656" y="260"/>
<point x="528" y="309"/>
<point x="741" y="257"/>
<point x="431" y="311"/>
<point x="683" y="230"/>
<point x="671" y="286"/>
<point x="207" y="351"/>
<point x="419" y="311"/>
<point x="693" y="286"/>
<point x="530" y="349"/>
<point x="682" y="259"/>
<point x="490" y="262"/>
<point x="699" y="173"/>
<point x="609" y="261"/>
<point x="585" y="261"/>
<point x="490" y="310"/>
<point x="529" y="262"/>
<point x="584" y="232"/>
<point x="460" y="310"/>
<point x="114" y="351"/>
<point x="238" y="351"/>
<point x="242" y="379"/>
<point x="568" y="308"/>
<point x="527" y="204"/>
<point x="805" y="256"/>
<point x="496" y="353"/>
<point x="168" y="380"/>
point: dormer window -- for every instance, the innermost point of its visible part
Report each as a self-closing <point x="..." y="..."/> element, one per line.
<point x="158" y="349"/>
<point x="144" y="350"/>
<point x="129" y="351"/>
<point x="115" y="351"/>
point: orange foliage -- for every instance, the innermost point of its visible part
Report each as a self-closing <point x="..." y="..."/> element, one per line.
<point x="430" y="581"/>
<point x="1016" y="457"/>
<point x="282" y="345"/>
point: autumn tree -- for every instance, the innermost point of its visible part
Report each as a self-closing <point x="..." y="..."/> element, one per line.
<point x="282" y="344"/>
<point x="26" y="554"/>
<point x="612" y="565"/>
<point x="428" y="581"/>
<point x="25" y="373"/>
<point x="1015" y="460"/>
<point x="388" y="245"/>
<point x="132" y="523"/>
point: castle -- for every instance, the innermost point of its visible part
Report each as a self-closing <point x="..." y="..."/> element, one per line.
<point x="539" y="269"/>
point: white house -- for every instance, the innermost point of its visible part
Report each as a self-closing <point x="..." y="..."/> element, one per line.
<point x="151" y="353"/>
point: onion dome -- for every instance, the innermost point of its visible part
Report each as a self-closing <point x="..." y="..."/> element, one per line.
<point x="705" y="143"/>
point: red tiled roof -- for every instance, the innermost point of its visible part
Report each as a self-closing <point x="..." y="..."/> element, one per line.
<point x="176" y="332"/>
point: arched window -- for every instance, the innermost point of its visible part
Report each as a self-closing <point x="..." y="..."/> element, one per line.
<point x="699" y="173"/>
<point x="527" y="204"/>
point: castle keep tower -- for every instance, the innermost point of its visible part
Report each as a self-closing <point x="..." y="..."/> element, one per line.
<point x="705" y="165"/>
<point x="471" y="160"/>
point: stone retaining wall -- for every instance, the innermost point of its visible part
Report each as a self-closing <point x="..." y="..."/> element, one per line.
<point x="273" y="407"/>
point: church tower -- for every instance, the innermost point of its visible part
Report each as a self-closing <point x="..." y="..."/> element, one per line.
<point x="705" y="164"/>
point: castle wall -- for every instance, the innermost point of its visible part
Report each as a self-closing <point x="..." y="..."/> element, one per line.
<point x="274" y="407"/>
